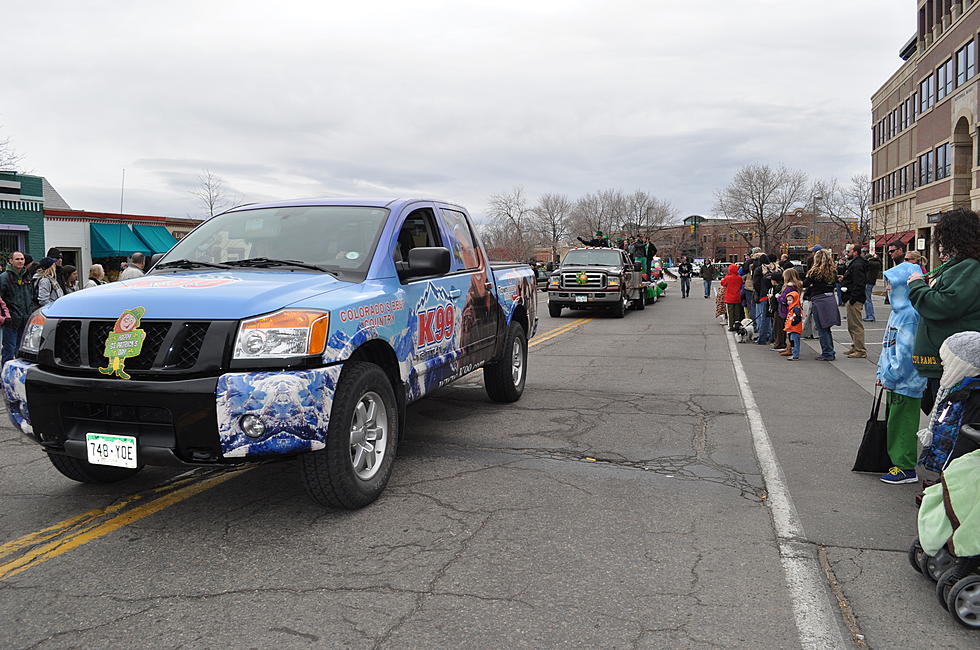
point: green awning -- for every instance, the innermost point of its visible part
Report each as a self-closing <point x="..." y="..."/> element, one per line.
<point x="115" y="240"/>
<point x="157" y="238"/>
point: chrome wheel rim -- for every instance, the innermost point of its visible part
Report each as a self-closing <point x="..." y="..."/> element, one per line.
<point x="368" y="436"/>
<point x="517" y="362"/>
<point x="968" y="604"/>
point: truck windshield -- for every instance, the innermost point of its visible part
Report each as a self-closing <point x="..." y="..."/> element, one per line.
<point x="593" y="257"/>
<point x="339" y="239"/>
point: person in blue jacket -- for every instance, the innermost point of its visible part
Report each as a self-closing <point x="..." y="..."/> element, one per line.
<point x="899" y="377"/>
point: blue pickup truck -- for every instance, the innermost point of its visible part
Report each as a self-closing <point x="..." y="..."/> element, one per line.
<point x="299" y="328"/>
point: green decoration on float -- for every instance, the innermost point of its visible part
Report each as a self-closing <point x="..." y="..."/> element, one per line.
<point x="125" y="341"/>
<point x="582" y="278"/>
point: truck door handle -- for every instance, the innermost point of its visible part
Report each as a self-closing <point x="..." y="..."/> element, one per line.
<point x="454" y="293"/>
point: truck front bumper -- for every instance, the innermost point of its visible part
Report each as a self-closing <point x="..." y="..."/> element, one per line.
<point x="180" y="422"/>
<point x="573" y="298"/>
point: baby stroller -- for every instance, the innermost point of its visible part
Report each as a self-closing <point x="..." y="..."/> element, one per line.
<point x="947" y="550"/>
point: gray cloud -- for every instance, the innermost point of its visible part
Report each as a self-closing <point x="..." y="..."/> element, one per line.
<point x="434" y="97"/>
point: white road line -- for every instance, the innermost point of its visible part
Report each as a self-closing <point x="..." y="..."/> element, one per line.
<point x="816" y="620"/>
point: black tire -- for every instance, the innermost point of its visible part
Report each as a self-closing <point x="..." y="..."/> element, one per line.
<point x="640" y="305"/>
<point x="970" y="617"/>
<point x="498" y="377"/>
<point x="619" y="310"/>
<point x="916" y="555"/>
<point x="328" y="474"/>
<point x="554" y="310"/>
<point x="85" y="472"/>
<point x="945" y="583"/>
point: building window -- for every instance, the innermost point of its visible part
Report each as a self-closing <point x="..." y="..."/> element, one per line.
<point x="925" y="168"/>
<point x="915" y="107"/>
<point x="966" y="63"/>
<point x="944" y="79"/>
<point x="944" y="163"/>
<point x="926" y="99"/>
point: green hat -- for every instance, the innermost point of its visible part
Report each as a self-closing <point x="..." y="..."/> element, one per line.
<point x="598" y="233"/>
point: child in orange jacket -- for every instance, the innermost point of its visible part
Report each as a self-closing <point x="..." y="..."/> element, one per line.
<point x="794" y="312"/>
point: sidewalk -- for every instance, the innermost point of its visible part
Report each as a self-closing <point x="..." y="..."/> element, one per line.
<point x="815" y="413"/>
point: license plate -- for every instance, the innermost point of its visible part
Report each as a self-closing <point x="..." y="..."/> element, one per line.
<point x="107" y="449"/>
<point x="581" y="299"/>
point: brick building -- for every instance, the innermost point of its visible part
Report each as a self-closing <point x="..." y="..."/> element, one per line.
<point x="924" y="158"/>
<point x="729" y="241"/>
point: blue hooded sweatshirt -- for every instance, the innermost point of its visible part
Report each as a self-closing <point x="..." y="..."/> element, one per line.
<point x="895" y="369"/>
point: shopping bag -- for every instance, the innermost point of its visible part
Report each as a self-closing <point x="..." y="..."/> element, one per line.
<point x="873" y="456"/>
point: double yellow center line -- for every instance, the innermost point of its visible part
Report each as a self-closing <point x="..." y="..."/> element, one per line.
<point x="28" y="551"/>
<point x="558" y="331"/>
<point x="21" y="554"/>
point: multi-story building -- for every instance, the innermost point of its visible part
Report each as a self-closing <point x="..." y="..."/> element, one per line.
<point x="729" y="241"/>
<point x="924" y="157"/>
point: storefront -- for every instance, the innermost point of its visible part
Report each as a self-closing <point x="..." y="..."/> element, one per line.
<point x="87" y="238"/>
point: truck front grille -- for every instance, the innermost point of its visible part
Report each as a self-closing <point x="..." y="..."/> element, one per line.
<point x="593" y="281"/>
<point x="168" y="345"/>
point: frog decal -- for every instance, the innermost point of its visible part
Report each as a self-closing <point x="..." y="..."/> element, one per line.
<point x="124" y="341"/>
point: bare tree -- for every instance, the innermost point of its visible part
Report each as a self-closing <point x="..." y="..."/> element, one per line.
<point x="212" y="193"/>
<point x="511" y="226"/>
<point x="858" y="196"/>
<point x="551" y="220"/>
<point x="588" y="216"/>
<point x="9" y="158"/>
<point x="762" y="196"/>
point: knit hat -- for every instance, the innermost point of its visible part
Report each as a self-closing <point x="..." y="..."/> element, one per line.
<point x="46" y="263"/>
<point x="816" y="247"/>
<point x="961" y="358"/>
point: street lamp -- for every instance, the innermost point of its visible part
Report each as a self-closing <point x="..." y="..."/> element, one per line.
<point x="813" y="229"/>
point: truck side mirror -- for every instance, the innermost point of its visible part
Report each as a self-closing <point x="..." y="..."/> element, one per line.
<point x="427" y="261"/>
<point x="638" y="266"/>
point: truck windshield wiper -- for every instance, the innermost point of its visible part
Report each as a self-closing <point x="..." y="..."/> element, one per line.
<point x="266" y="262"/>
<point x="190" y="264"/>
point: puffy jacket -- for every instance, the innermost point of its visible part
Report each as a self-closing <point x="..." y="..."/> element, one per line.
<point x="793" y="303"/>
<point x="733" y="285"/>
<point x="895" y="369"/>
<point x="17" y="293"/>
<point x="874" y="269"/>
<point x="950" y="304"/>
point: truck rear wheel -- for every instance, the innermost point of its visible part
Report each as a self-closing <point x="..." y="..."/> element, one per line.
<point x="505" y="379"/>
<point x="641" y="302"/>
<point x="353" y="470"/>
<point x="85" y="472"/>
<point x="554" y="310"/>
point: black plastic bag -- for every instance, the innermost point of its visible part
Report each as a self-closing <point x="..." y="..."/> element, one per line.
<point x="873" y="456"/>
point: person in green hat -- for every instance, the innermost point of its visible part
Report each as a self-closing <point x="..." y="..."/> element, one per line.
<point x="599" y="240"/>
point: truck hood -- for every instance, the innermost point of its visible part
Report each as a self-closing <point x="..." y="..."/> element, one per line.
<point x="206" y="295"/>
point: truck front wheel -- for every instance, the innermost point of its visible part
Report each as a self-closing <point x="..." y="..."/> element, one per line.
<point x="85" y="472"/>
<point x="554" y="310"/>
<point x="620" y="309"/>
<point x="353" y="470"/>
<point x="504" y="379"/>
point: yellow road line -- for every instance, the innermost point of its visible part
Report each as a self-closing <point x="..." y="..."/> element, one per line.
<point x="547" y="336"/>
<point x="77" y="531"/>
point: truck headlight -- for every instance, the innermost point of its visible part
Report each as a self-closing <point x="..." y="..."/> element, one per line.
<point x="287" y="333"/>
<point x="612" y="281"/>
<point x="554" y="281"/>
<point x="31" y="342"/>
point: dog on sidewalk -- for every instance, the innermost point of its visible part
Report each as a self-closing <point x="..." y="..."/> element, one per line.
<point x="745" y="330"/>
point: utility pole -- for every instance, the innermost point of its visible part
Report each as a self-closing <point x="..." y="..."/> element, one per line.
<point x="813" y="228"/>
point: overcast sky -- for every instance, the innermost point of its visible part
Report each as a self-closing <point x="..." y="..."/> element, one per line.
<point x="455" y="100"/>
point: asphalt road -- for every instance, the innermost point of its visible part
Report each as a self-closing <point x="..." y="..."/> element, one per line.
<point x="620" y="503"/>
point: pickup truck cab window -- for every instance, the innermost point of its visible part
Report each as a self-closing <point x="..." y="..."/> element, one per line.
<point x="417" y="231"/>
<point x="593" y="257"/>
<point x="462" y="244"/>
